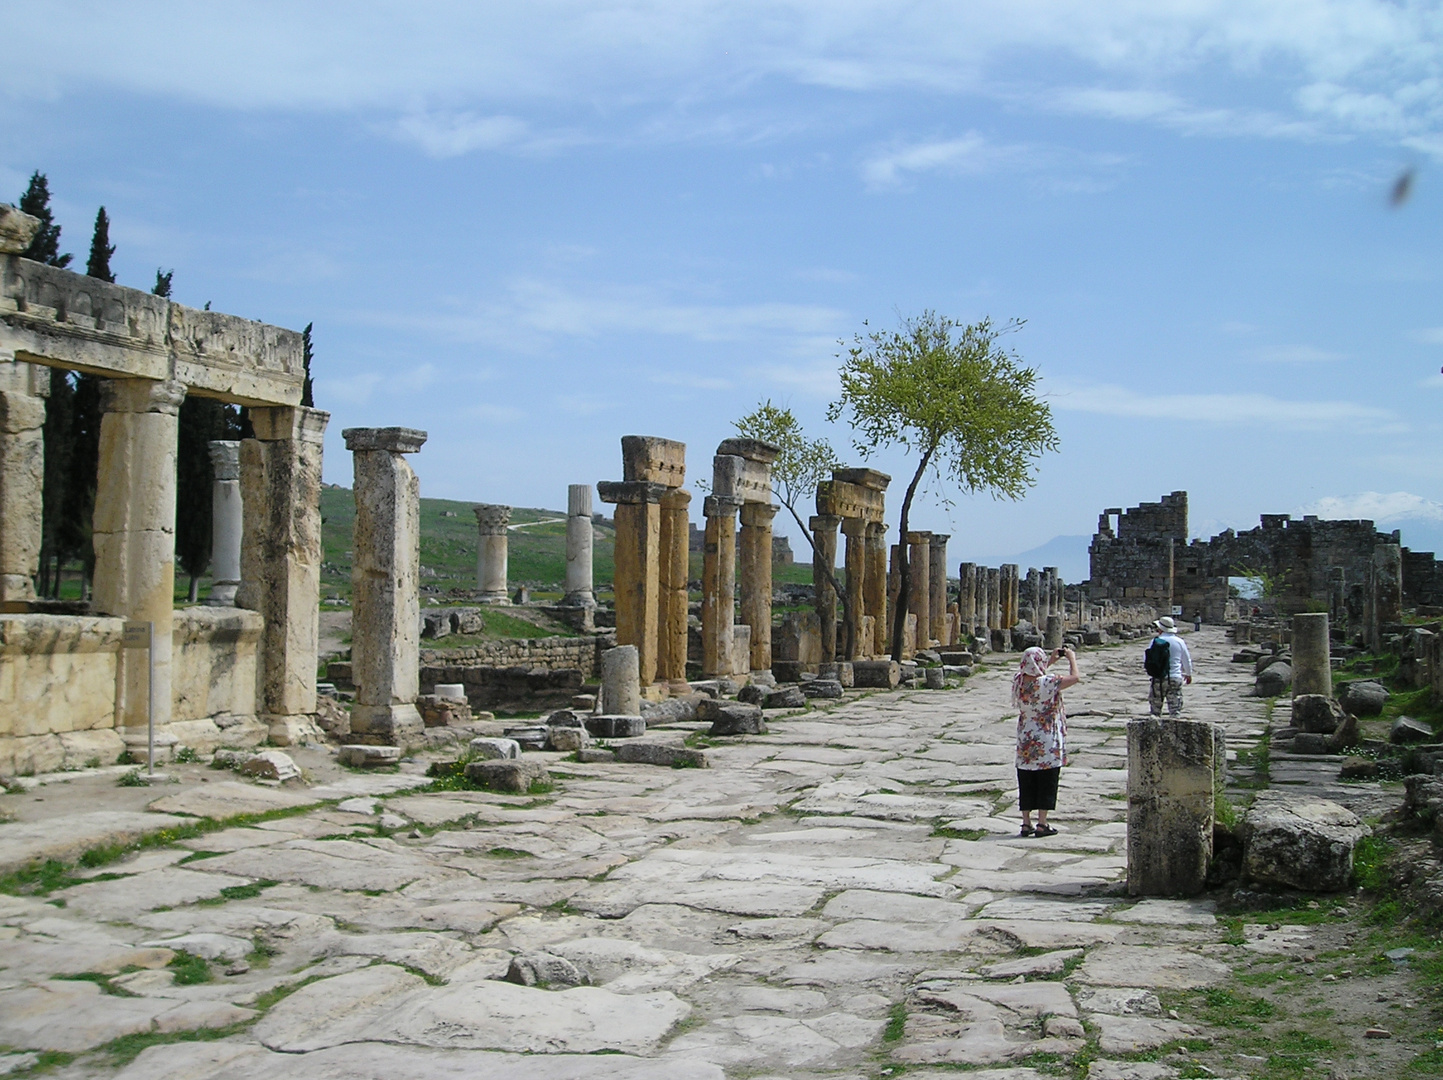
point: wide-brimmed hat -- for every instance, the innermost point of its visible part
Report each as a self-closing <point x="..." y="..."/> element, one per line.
<point x="1165" y="624"/>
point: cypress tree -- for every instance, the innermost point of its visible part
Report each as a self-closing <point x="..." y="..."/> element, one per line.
<point x="101" y="249"/>
<point x="45" y="247"/>
<point x="78" y="507"/>
<point x="307" y="397"/>
<point x="162" y="282"/>
<point x="59" y="441"/>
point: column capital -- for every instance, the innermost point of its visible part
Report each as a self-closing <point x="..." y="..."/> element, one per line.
<point x="720" y="506"/>
<point x="676" y="499"/>
<point x="939" y="539"/>
<point x="142" y="396"/>
<point x="878" y="529"/>
<point x="824" y="522"/>
<point x="225" y="459"/>
<point x="630" y="492"/>
<point x="281" y="423"/>
<point x="919" y="538"/>
<point x="491" y="519"/>
<point x="393" y="440"/>
<point x="578" y="500"/>
<point x="758" y="515"/>
<point x="854" y="527"/>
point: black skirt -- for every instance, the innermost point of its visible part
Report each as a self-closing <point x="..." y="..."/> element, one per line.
<point x="1037" y="789"/>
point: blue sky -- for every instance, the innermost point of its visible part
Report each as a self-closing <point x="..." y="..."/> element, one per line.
<point x="532" y="229"/>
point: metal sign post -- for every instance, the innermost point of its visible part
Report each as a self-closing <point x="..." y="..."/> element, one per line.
<point x="141" y="635"/>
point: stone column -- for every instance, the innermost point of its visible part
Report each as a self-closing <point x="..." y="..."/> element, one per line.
<point x="919" y="598"/>
<point x="894" y="590"/>
<point x="937" y="587"/>
<point x="386" y="586"/>
<point x="1338" y="595"/>
<point x="1387" y="591"/>
<point x="638" y="568"/>
<point x="491" y="553"/>
<point x="1032" y="593"/>
<point x="824" y="536"/>
<point x="994" y="598"/>
<point x="855" y="530"/>
<point x="1312" y="664"/>
<point x="226" y="518"/>
<point x="22" y="480"/>
<point x="1011" y="595"/>
<point x="1053" y="583"/>
<point x="718" y="585"/>
<point x="281" y="559"/>
<point x="621" y="681"/>
<point x="578" y="548"/>
<point x="756" y="575"/>
<point x="876" y="587"/>
<point x="1052" y="637"/>
<point x="1170" y="792"/>
<point x="967" y="596"/>
<point x="134" y="534"/>
<point x="675" y="556"/>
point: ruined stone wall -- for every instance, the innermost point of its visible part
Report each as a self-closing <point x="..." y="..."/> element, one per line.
<point x="1303" y="556"/>
<point x="1422" y="579"/>
<point x="581" y="653"/>
<point x="213" y="662"/>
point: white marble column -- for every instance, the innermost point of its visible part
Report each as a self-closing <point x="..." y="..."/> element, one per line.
<point x="226" y="517"/>
<point x="491" y="553"/>
<point x="386" y="586"/>
<point x="579" y="589"/>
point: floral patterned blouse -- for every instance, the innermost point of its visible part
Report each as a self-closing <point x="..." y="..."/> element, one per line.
<point x="1041" y="725"/>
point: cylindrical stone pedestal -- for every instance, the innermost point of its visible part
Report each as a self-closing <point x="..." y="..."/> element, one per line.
<point x="134" y="534"/>
<point x="1312" y="664"/>
<point x="937" y="587"/>
<point x="621" y="681"/>
<point x="386" y="586"/>
<point x="579" y="592"/>
<point x="919" y="586"/>
<point x="718" y="585"/>
<point x="1053" y="637"/>
<point x="491" y="553"/>
<point x="824" y="556"/>
<point x="1170" y="791"/>
<point x="226" y="523"/>
<point x="756" y="575"/>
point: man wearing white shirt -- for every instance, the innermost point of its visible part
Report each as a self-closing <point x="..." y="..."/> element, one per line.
<point x="1179" y="663"/>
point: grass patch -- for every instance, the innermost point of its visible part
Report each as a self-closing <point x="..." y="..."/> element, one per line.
<point x="190" y="970"/>
<point x="958" y="834"/>
<point x="238" y="892"/>
<point x="133" y="779"/>
<point x="101" y="980"/>
<point x="1226" y="1008"/>
<point x="127" y="1048"/>
<point x="508" y="853"/>
<point x="896" y="1023"/>
<point x="1370" y="856"/>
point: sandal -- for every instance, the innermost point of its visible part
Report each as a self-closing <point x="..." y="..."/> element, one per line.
<point x="1027" y="830"/>
<point x="1045" y="830"/>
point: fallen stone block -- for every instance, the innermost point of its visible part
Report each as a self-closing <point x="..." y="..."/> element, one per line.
<point x="1364" y="698"/>
<point x="467" y="621"/>
<point x="616" y="727"/>
<point x="1346" y="735"/>
<point x="435" y="624"/>
<point x="271" y="765"/>
<point x="1300" y="843"/>
<point x="566" y="739"/>
<point x="956" y="658"/>
<point x="1273" y="680"/>
<point x="1308" y="742"/>
<point x="733" y="718"/>
<point x="1407" y="730"/>
<point x="362" y="756"/>
<point x="515" y="775"/>
<point x="594" y="755"/>
<point x="544" y="970"/>
<point x="822" y="688"/>
<point x="752" y="694"/>
<point x="1422" y="798"/>
<point x="490" y="749"/>
<point x="879" y="674"/>
<point x="667" y="755"/>
<point x="934" y="678"/>
<point x="567" y="718"/>
<point x="1358" y="768"/>
<point x="1317" y="712"/>
<point x="785" y="697"/>
<point x="787" y="671"/>
<point x="530" y="737"/>
<point x="674" y="710"/>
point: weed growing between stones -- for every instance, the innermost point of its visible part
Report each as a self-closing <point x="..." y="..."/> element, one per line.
<point x="102" y="980"/>
<point x="186" y="755"/>
<point x="949" y="833"/>
<point x="237" y="892"/>
<point x="127" y="1048"/>
<point x="190" y="970"/>
<point x="133" y="779"/>
<point x="896" y="1023"/>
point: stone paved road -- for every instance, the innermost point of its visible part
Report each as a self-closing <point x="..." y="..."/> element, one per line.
<point x="774" y="915"/>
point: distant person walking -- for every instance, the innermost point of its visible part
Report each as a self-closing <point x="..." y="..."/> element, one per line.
<point x="1170" y="673"/>
<point x="1041" y="734"/>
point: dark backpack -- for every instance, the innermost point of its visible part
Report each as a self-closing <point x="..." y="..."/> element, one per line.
<point x="1156" y="661"/>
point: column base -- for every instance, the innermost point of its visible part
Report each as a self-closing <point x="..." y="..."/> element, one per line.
<point x="387" y="725"/>
<point x="137" y="744"/>
<point x="678" y="687"/>
<point x="578" y="600"/>
<point x="222" y="594"/>
<point x="500" y="599"/>
<point x="299" y="729"/>
<point x="762" y="678"/>
<point x="16" y="587"/>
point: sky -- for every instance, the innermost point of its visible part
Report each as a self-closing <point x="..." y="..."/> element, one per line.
<point x="530" y="229"/>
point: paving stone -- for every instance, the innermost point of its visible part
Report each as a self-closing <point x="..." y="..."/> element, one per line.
<point x="66" y="838"/>
<point x="1049" y="963"/>
<point x="1129" y="1070"/>
<point x="228" y="798"/>
<point x="504" y="775"/>
<point x="1162" y="967"/>
<point x="123" y="899"/>
<point x="667" y="755"/>
<point x="1135" y="1034"/>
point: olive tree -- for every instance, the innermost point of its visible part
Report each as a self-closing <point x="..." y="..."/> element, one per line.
<point x="950" y="395"/>
<point x="801" y="465"/>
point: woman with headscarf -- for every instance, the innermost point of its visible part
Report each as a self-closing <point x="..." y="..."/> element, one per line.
<point x="1041" y="734"/>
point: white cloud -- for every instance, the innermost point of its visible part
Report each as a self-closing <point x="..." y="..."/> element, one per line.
<point x="1227" y="409"/>
<point x="970" y="153"/>
<point x="1433" y="335"/>
<point x="1383" y="509"/>
<point x="444" y="135"/>
<point x="1297" y="354"/>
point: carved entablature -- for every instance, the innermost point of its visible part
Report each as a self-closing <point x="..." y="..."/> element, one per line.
<point x="748" y="480"/>
<point x="646" y="459"/>
<point x="63" y="319"/>
<point x="844" y="500"/>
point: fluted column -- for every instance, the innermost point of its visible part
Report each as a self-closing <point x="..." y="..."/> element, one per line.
<point x="579" y="535"/>
<point x="491" y="553"/>
<point x="855" y="530"/>
<point x="876" y="587"/>
<point x="756" y="579"/>
<point x="226" y="523"/>
<point x="718" y="586"/>
<point x="675" y="553"/>
<point x="824" y="537"/>
<point x="937" y="587"/>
